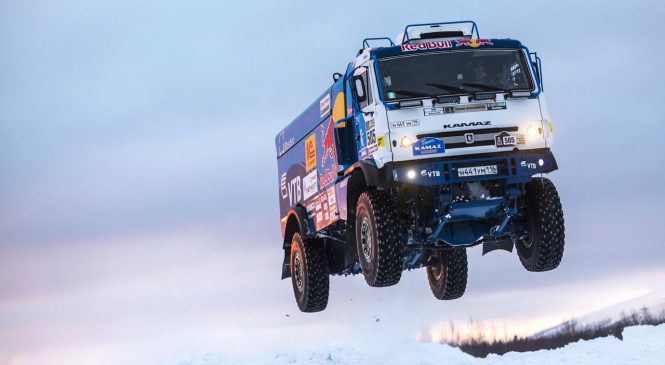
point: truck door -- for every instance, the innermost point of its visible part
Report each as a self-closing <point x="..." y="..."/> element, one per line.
<point x="363" y="113"/>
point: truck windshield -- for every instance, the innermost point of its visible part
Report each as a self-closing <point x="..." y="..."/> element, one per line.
<point x="449" y="73"/>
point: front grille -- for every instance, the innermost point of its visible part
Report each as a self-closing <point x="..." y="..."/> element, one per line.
<point x="477" y="190"/>
<point x="481" y="137"/>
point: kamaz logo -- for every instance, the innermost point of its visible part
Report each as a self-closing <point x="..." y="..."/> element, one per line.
<point x="470" y="124"/>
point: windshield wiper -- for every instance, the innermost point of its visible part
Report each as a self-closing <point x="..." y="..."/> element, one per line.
<point x="484" y="87"/>
<point x="454" y="89"/>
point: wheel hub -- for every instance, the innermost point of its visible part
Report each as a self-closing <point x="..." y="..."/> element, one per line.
<point x="298" y="271"/>
<point x="366" y="239"/>
<point x="437" y="272"/>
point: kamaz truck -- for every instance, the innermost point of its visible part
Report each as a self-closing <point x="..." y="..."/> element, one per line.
<point x="422" y="148"/>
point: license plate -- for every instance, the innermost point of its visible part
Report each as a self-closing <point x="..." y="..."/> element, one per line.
<point x="477" y="171"/>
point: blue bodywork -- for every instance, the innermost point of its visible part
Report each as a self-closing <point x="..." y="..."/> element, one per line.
<point x="314" y="175"/>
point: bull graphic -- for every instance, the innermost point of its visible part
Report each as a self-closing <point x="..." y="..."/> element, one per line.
<point x="327" y="143"/>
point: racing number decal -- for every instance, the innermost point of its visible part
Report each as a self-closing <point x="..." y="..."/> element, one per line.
<point x="371" y="137"/>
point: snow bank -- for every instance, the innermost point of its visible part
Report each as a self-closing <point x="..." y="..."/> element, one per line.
<point x="641" y="345"/>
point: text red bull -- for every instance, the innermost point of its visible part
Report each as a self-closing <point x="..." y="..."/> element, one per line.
<point x="409" y="47"/>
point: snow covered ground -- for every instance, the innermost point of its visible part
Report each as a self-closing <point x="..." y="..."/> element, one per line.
<point x="654" y="302"/>
<point x="641" y="345"/>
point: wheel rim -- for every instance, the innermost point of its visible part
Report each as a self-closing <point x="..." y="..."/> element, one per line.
<point x="298" y="271"/>
<point x="437" y="272"/>
<point x="366" y="239"/>
<point x="528" y="241"/>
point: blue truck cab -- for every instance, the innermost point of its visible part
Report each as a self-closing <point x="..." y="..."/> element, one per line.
<point x="421" y="148"/>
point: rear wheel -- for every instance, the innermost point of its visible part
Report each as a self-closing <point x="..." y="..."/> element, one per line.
<point x="309" y="274"/>
<point x="378" y="241"/>
<point x="448" y="275"/>
<point x="542" y="249"/>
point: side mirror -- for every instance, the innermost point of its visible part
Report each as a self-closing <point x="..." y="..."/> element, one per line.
<point x="358" y="86"/>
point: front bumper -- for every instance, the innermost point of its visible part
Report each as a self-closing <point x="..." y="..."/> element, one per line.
<point x="512" y="167"/>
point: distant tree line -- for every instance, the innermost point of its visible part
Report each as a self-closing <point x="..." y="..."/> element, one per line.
<point x="481" y="339"/>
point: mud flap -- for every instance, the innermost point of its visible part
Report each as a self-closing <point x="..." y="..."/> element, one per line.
<point x="498" y="245"/>
<point x="286" y="265"/>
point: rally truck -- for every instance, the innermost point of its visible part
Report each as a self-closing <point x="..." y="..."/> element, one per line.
<point x="423" y="147"/>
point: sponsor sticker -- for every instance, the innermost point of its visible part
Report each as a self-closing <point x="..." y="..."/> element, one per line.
<point x="406" y="123"/>
<point x="468" y="108"/>
<point x="381" y="141"/>
<point x="473" y="43"/>
<point x="410" y="47"/>
<point x="496" y="106"/>
<point x="504" y="139"/>
<point x="331" y="197"/>
<point x="521" y="139"/>
<point x="369" y="150"/>
<point x="430" y="173"/>
<point x="324" y="105"/>
<point x="291" y="189"/>
<point x="310" y="184"/>
<point x="327" y="143"/>
<point x="284" y="144"/>
<point x="528" y="165"/>
<point x="464" y="108"/>
<point x="428" y="146"/>
<point x="328" y="177"/>
<point x="310" y="152"/>
<point x="433" y="111"/>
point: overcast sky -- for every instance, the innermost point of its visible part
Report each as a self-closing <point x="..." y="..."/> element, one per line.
<point x="138" y="190"/>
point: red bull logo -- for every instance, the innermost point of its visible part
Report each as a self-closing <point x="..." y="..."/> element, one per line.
<point x="327" y="143"/>
<point x="473" y="43"/>
<point x="410" y="47"/>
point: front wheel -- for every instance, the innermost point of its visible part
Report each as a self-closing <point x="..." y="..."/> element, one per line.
<point x="448" y="274"/>
<point x="542" y="249"/>
<point x="380" y="249"/>
<point x="309" y="274"/>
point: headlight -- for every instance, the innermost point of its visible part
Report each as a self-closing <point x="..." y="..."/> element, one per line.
<point x="406" y="141"/>
<point x="532" y="131"/>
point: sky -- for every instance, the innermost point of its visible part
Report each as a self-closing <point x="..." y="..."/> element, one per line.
<point x="138" y="184"/>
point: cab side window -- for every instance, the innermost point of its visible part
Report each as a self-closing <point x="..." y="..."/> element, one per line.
<point x="362" y="90"/>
